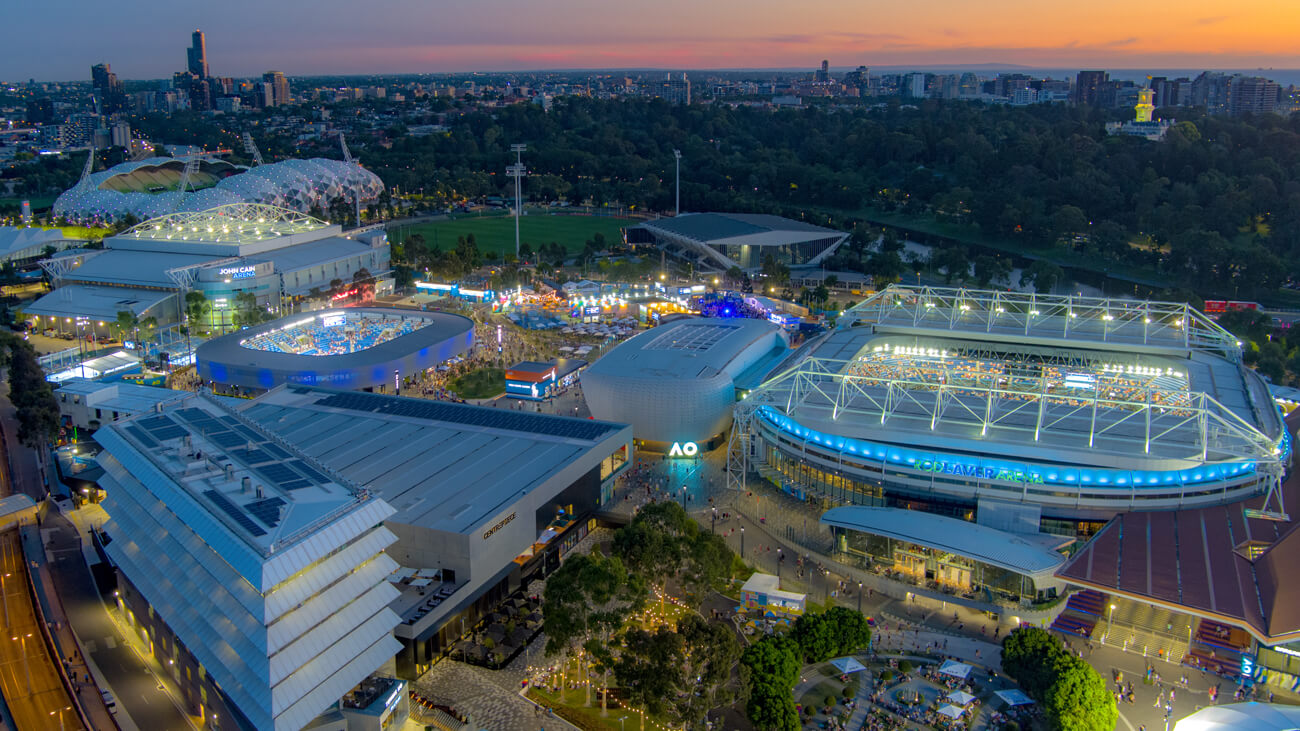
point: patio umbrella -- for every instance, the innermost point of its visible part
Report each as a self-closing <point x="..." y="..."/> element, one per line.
<point x="847" y="665"/>
<point x="496" y="632"/>
<point x="520" y="636"/>
<point x="960" y="697"/>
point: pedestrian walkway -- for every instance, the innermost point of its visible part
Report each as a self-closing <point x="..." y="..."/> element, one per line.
<point x="479" y="693"/>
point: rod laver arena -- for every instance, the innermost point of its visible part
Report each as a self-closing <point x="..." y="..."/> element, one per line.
<point x="1074" y="408"/>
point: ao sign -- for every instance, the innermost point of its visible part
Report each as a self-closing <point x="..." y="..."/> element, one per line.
<point x="684" y="449"/>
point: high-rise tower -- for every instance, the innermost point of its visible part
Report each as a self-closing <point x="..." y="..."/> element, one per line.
<point x="197" y="55"/>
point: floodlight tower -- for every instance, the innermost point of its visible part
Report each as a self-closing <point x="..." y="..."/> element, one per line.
<point x="517" y="171"/>
<point x="677" y="155"/>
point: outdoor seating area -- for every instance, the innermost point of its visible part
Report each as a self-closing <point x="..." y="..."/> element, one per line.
<point x="1222" y="636"/>
<point x="502" y="634"/>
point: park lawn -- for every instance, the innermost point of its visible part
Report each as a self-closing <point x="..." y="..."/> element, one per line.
<point x="589" y="718"/>
<point x="481" y="383"/>
<point x="39" y="203"/>
<point x="496" y="233"/>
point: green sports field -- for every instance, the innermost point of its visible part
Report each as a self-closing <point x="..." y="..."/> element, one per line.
<point x="497" y="233"/>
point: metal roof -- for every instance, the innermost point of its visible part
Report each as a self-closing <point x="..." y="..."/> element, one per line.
<point x="981" y="543"/>
<point x="716" y="227"/>
<point x="470" y="460"/>
<point x="96" y="302"/>
<point x="1243" y="717"/>
<point x="234" y="223"/>
<point x="687" y="348"/>
<point x="133" y="268"/>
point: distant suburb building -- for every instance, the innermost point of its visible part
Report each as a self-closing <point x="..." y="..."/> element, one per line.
<point x="719" y="241"/>
<point x="254" y="568"/>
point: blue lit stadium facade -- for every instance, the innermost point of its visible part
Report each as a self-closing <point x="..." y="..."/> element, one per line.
<point x="1073" y="409"/>
<point x="371" y="349"/>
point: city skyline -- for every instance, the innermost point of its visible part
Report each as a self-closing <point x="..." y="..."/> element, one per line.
<point x="409" y="37"/>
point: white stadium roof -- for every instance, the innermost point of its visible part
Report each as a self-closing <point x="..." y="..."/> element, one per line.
<point x="1243" y="717"/>
<point x="294" y="184"/>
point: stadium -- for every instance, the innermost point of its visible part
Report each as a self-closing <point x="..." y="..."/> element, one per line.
<point x="354" y="348"/>
<point x="152" y="187"/>
<point x="1050" y="411"/>
<point x="719" y="241"/>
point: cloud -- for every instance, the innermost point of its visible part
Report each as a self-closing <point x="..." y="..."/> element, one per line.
<point x="1211" y="20"/>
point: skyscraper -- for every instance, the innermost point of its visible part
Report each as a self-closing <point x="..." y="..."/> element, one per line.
<point x="1088" y="86"/>
<point x="824" y="73"/>
<point x="107" y="88"/>
<point x="279" y="87"/>
<point x="197" y="55"/>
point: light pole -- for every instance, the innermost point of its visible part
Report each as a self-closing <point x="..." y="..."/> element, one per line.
<point x="742" y="541"/>
<point x="779" y="559"/>
<point x="517" y="172"/>
<point x="859" y="597"/>
<point x="713" y="524"/>
<point x="677" y="157"/>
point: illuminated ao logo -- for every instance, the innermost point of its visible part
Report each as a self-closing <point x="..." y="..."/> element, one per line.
<point x="684" y="449"/>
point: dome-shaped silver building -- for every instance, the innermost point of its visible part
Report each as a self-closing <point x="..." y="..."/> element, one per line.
<point x="149" y="188"/>
<point x="678" y="382"/>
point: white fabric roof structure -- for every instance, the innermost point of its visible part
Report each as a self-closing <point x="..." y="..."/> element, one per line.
<point x="972" y="540"/>
<point x="951" y="711"/>
<point x="960" y="697"/>
<point x="294" y="184"/>
<point x="955" y="669"/>
<point x="1014" y="697"/>
<point x="848" y="665"/>
<point x="25" y="242"/>
<point x="1243" y="717"/>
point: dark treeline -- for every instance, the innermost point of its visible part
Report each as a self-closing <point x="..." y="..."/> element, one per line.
<point x="1215" y="206"/>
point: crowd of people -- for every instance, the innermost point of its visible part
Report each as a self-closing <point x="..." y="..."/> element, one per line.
<point x="352" y="334"/>
<point x="980" y="375"/>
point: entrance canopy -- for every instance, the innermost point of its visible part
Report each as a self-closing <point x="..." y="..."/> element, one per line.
<point x="847" y="665"/>
<point x="1004" y="550"/>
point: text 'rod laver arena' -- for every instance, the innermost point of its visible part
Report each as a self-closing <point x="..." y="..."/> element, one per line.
<point x="1078" y="407"/>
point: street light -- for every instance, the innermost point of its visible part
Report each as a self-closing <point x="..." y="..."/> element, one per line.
<point x="742" y="541"/>
<point x="859" y="597"/>
<point x="677" y="156"/>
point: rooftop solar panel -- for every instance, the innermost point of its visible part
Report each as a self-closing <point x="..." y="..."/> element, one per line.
<point x="469" y="415"/>
<point x="251" y="434"/>
<point x="227" y="439"/>
<point x="142" y="436"/>
<point x="237" y="515"/>
<point x="307" y="470"/>
<point x="252" y="456"/>
<point x="275" y="450"/>
<point x="295" y="485"/>
<point x="267" y="511"/>
<point x="277" y="474"/>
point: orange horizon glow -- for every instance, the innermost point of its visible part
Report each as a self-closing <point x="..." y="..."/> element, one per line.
<point x="425" y="36"/>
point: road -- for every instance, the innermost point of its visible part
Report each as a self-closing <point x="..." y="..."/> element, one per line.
<point x="125" y="671"/>
<point x="29" y="678"/>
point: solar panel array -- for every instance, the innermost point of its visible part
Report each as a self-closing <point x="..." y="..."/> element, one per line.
<point x="267" y="511"/>
<point x="554" y="426"/>
<point x="239" y="516"/>
<point x="247" y="445"/>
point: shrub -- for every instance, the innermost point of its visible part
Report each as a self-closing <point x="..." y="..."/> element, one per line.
<point x="905" y="666"/>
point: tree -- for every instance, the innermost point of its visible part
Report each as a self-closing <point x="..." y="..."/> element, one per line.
<point x="1079" y="699"/>
<point x="990" y="269"/>
<point x="197" y="308"/>
<point x="247" y="312"/>
<point x="769" y="670"/>
<point x="649" y="669"/>
<point x="31" y="394"/>
<point x="1027" y="656"/>
<point x="1042" y="275"/>
<point x="125" y="324"/>
<point x="588" y="596"/>
<point x="952" y="260"/>
<point x="709" y="651"/>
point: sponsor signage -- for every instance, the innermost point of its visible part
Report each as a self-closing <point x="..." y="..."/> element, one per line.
<point x="684" y="449"/>
<point x="503" y="523"/>
<point x="242" y="272"/>
<point x="987" y="473"/>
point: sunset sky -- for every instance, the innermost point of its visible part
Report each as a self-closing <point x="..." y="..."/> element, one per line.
<point x="61" y="39"/>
